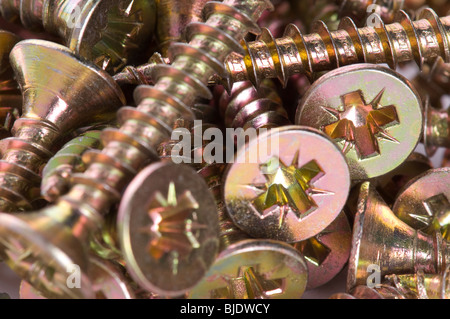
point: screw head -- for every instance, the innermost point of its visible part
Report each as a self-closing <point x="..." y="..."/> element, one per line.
<point x="327" y="253"/>
<point x="112" y="32"/>
<point x="292" y="192"/>
<point x="168" y="228"/>
<point x="41" y="250"/>
<point x="254" y="269"/>
<point x="425" y="201"/>
<point x="372" y="112"/>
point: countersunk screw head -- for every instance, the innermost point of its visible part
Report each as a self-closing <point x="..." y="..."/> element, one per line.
<point x="168" y="228"/>
<point x="424" y="203"/>
<point x="372" y="112"/>
<point x="291" y="193"/>
<point x="327" y="253"/>
<point x="254" y="269"/>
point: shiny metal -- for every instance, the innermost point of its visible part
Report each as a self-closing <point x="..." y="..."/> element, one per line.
<point x="108" y="279"/>
<point x="382" y="240"/>
<point x="421" y="41"/>
<point x="108" y="32"/>
<point x="390" y="184"/>
<point x="51" y="110"/>
<point x="424" y="203"/>
<point x="253" y="269"/>
<point x="327" y="253"/>
<point x="372" y="112"/>
<point x="57" y="173"/>
<point x="127" y="150"/>
<point x="424" y="286"/>
<point x="168" y="228"/>
<point x="279" y="185"/>
<point x="436" y="131"/>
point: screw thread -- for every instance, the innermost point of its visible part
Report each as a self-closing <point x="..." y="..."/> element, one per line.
<point x="247" y="107"/>
<point x="144" y="128"/>
<point x="422" y="41"/>
<point x="56" y="175"/>
<point x="359" y="10"/>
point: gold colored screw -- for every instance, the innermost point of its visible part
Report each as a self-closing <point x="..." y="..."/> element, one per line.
<point x="128" y="149"/>
<point x="436" y="131"/>
<point x="425" y="286"/>
<point x="421" y="41"/>
<point x="108" y="32"/>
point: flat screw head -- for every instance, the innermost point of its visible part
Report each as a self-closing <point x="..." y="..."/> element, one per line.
<point x="168" y="228"/>
<point x="290" y="193"/>
<point x="424" y="203"/>
<point x="327" y="253"/>
<point x="254" y="269"/>
<point x="372" y="112"/>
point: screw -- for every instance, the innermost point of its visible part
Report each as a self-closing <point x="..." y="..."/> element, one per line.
<point x="45" y="120"/>
<point x="290" y="193"/>
<point x="436" y="132"/>
<point x="422" y="41"/>
<point x="424" y="286"/>
<point x="364" y="292"/>
<point x="359" y="10"/>
<point x="424" y="202"/>
<point x="375" y="117"/>
<point x="380" y="238"/>
<point x="131" y="147"/>
<point x="109" y="32"/>
<point x="309" y="11"/>
<point x="390" y="184"/>
<point x="327" y="253"/>
<point x="173" y="17"/>
<point x="56" y="175"/>
<point x="167" y="227"/>
<point x="109" y="282"/>
<point x="252" y="281"/>
<point x="446" y="159"/>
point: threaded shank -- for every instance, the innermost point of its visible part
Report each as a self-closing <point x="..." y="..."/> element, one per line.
<point x="422" y="41"/>
<point x="143" y="129"/>
<point x="247" y="107"/>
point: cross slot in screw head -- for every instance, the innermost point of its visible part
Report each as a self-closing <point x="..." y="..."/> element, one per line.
<point x="372" y="112"/>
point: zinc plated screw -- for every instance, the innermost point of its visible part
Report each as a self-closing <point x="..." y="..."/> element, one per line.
<point x="372" y="112"/>
<point x="168" y="228"/>
<point x="10" y="98"/>
<point x="421" y="41"/>
<point x="57" y="173"/>
<point x="294" y="191"/>
<point x="380" y="238"/>
<point x="424" y="286"/>
<point x="45" y="119"/>
<point x="108" y="282"/>
<point x="276" y="269"/>
<point x="108" y="32"/>
<point x="424" y="203"/>
<point x="436" y="132"/>
<point x="365" y="292"/>
<point x="389" y="185"/>
<point x="128" y="149"/>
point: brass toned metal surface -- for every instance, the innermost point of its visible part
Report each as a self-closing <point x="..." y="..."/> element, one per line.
<point x="253" y="269"/>
<point x="421" y="41"/>
<point x="108" y="32"/>
<point x="291" y="201"/>
<point x="436" y="132"/>
<point x="381" y="239"/>
<point x="372" y="112"/>
<point x="327" y="253"/>
<point x="424" y="202"/>
<point x="50" y="111"/>
<point x="168" y="228"/>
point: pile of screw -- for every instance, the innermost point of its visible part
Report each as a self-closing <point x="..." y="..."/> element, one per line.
<point x="103" y="200"/>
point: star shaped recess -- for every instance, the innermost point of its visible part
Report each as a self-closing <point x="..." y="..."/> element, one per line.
<point x="287" y="189"/>
<point x="360" y="125"/>
<point x="174" y="228"/>
<point x="314" y="250"/>
<point x="437" y="208"/>
<point x="249" y="284"/>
